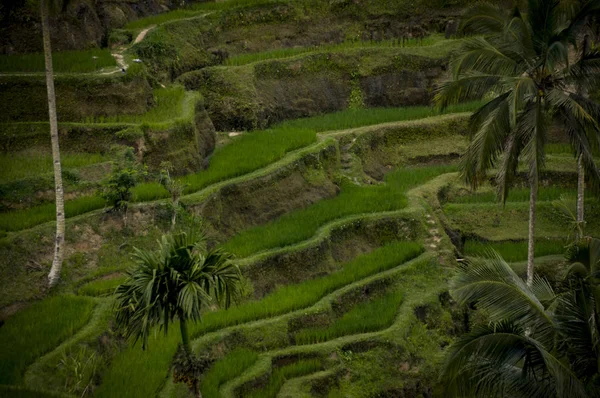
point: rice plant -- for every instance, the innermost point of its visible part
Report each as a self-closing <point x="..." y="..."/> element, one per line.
<point x="195" y="10"/>
<point x="27" y="218"/>
<point x="280" y="375"/>
<point x="17" y="166"/>
<point x="247" y="153"/>
<point x="351" y="118"/>
<point x="516" y="195"/>
<point x="225" y="369"/>
<point x="32" y="332"/>
<point x="514" y="251"/>
<point x="373" y="315"/>
<point x="62" y="62"/>
<point x="244" y="59"/>
<point x="101" y="287"/>
<point x="170" y="103"/>
<point x="302" y="224"/>
<point x="150" y="365"/>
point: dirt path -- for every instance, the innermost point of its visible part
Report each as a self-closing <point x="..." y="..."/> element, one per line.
<point x="142" y="34"/>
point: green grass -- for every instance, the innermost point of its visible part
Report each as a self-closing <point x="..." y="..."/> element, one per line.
<point x="514" y="251"/>
<point x="352" y="118"/>
<point x="517" y="195"/>
<point x="27" y="218"/>
<point x="354" y="199"/>
<point x="249" y="152"/>
<point x="26" y="165"/>
<point x="62" y="62"/>
<point x="244" y="59"/>
<point x="194" y="10"/>
<point x="225" y="369"/>
<point x="170" y="103"/>
<point x="38" y="329"/>
<point x="151" y="365"/>
<point x="246" y="153"/>
<point x="280" y="375"/>
<point x="101" y="287"/>
<point x="373" y="315"/>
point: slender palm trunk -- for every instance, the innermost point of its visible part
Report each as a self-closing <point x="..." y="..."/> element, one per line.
<point x="54" y="275"/>
<point x="185" y="337"/>
<point x="174" y="216"/>
<point x="580" y="196"/>
<point x="531" y="242"/>
<point x="187" y="347"/>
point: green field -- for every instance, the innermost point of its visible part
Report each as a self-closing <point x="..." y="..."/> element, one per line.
<point x="62" y="62"/>
<point x="37" y="330"/>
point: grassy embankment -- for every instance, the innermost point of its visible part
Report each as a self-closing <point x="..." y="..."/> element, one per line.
<point x="153" y="363"/>
<point x="62" y="62"/>
<point x="244" y="154"/>
<point x="38" y="329"/>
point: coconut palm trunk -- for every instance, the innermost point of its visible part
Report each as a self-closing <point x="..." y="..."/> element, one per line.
<point x="531" y="238"/>
<point x="54" y="275"/>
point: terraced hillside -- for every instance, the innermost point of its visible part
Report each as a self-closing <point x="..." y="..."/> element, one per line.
<point x="312" y="155"/>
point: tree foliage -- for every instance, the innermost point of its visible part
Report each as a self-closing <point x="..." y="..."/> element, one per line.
<point x="537" y="343"/>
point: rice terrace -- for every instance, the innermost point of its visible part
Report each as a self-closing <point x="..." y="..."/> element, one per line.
<point x="299" y="198"/>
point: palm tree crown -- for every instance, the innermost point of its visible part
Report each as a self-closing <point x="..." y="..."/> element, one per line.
<point x="523" y="65"/>
<point x="534" y="345"/>
<point x="178" y="280"/>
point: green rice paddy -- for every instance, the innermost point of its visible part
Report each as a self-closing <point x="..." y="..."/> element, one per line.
<point x="353" y="199"/>
<point x="38" y="329"/>
<point x="151" y="364"/>
<point x="62" y="62"/>
<point x="370" y="316"/>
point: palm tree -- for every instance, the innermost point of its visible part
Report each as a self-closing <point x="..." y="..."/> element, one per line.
<point x="54" y="275"/>
<point x="521" y="66"/>
<point x="177" y="281"/>
<point x="533" y="345"/>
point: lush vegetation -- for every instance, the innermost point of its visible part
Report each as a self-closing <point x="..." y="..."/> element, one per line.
<point x="533" y="341"/>
<point x="151" y="364"/>
<point x="248" y="153"/>
<point x="370" y="316"/>
<point x="38" y="329"/>
<point x="18" y="166"/>
<point x="101" y="287"/>
<point x="195" y="10"/>
<point x="351" y="118"/>
<point x="514" y="251"/>
<point x="27" y="218"/>
<point x="353" y="199"/>
<point x="245" y="154"/>
<point x="516" y="195"/>
<point x="279" y="53"/>
<point x="225" y="369"/>
<point x="62" y="62"/>
<point x="280" y="375"/>
<point x="170" y="103"/>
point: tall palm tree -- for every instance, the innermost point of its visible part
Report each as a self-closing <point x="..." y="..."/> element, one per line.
<point x="535" y="341"/>
<point x="177" y="281"/>
<point x="520" y="64"/>
<point x="54" y="275"/>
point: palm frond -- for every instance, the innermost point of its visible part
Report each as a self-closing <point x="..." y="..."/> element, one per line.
<point x="497" y="289"/>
